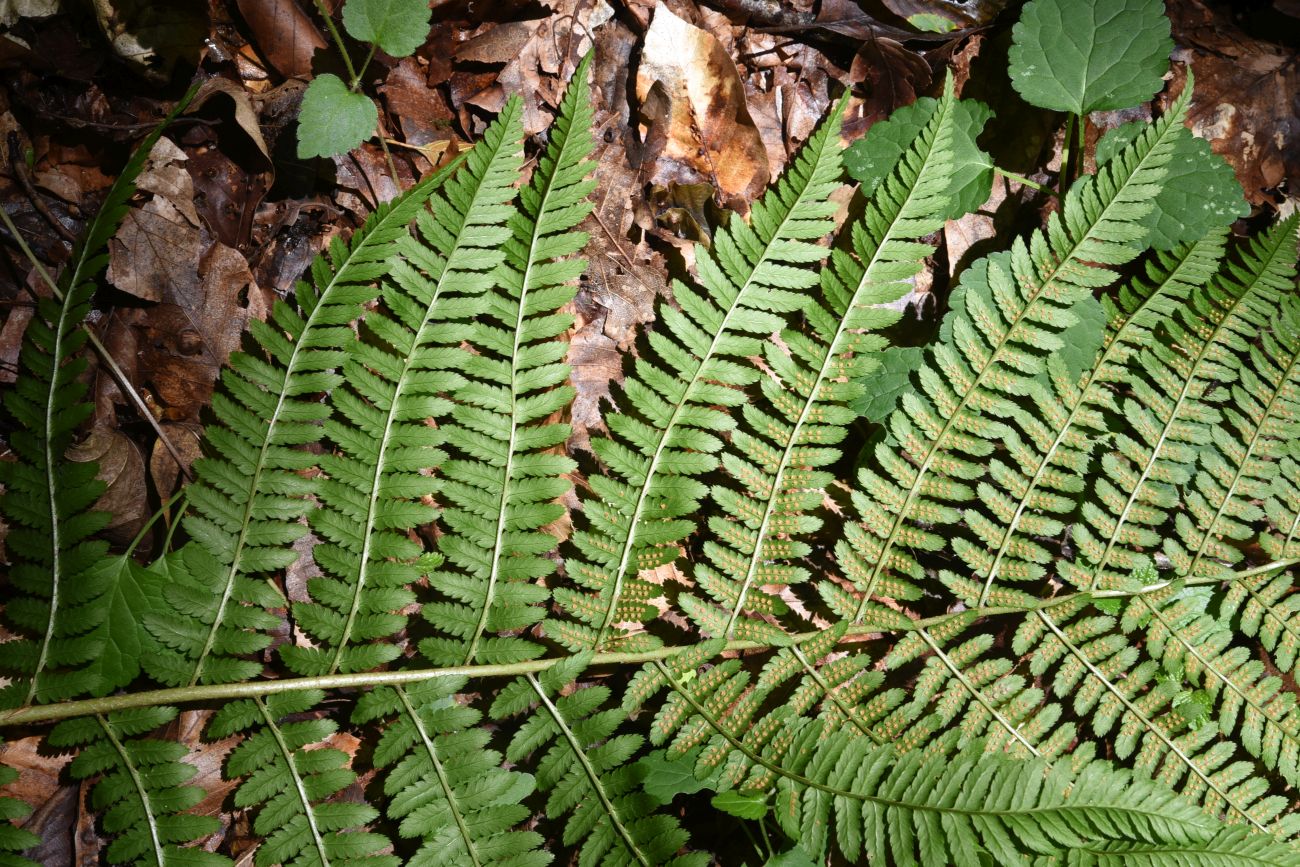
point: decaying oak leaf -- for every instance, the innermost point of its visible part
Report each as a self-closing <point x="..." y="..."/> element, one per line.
<point x="155" y="250"/>
<point x="707" y="132"/>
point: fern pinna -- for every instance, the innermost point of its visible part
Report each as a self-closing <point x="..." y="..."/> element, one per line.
<point x="1047" y="618"/>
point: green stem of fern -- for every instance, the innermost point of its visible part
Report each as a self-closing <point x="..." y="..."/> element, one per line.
<point x="228" y="691"/>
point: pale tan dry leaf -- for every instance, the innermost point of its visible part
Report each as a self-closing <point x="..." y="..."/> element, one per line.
<point x="164" y="175"/>
<point x="186" y="437"/>
<point x="155" y="251"/>
<point x="707" y="129"/>
<point x="245" y="116"/>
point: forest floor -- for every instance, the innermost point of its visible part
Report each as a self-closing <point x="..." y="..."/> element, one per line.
<point x="699" y="105"/>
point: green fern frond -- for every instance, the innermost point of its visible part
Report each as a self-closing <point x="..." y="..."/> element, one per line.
<point x="1231" y="847"/>
<point x="504" y="479"/>
<point x="1025" y="501"/>
<point x="140" y="789"/>
<point x="14" y="840"/>
<point x="1007" y="319"/>
<point x="47" y="498"/>
<point x="585" y="766"/>
<point x="1174" y="413"/>
<point x="445" y="787"/>
<point x="1265" y="607"/>
<point x="394" y="378"/>
<point x="897" y="803"/>
<point x="667" y="434"/>
<point x="301" y="818"/>
<point x="778" y="457"/>
<point x="248" y="500"/>
<point x="1131" y="702"/>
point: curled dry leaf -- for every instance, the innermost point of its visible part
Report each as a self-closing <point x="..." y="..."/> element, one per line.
<point x="121" y="469"/>
<point x="705" y="125"/>
<point x="164" y="472"/>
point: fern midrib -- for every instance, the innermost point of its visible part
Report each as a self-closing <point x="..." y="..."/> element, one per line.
<point x="974" y="691"/>
<point x="52" y="487"/>
<point x="722" y="331"/>
<point x="298" y="785"/>
<point x="249" y="689"/>
<point x="832" y="353"/>
<point x="1273" y="403"/>
<point x="1188" y="383"/>
<point x="580" y="754"/>
<point x="994" y="358"/>
<point x="448" y="792"/>
<point x="155" y="840"/>
<point x="1147" y="723"/>
<point x="1087" y="398"/>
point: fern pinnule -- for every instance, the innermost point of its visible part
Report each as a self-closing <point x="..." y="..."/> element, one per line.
<point x="1006" y="323"/>
<point x="667" y="433"/>
<point x="248" y="499"/>
<point x="395" y="377"/>
<point x="300" y="816"/>
<point x="777" y="457"/>
<point x="47" y="498"/>
<point x="140" y="787"/>
<point x="445" y="786"/>
<point x="502" y="483"/>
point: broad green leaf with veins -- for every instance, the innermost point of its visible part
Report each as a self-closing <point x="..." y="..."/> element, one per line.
<point x="1201" y="192"/>
<point x="396" y="26"/>
<point x="1087" y="55"/>
<point x="333" y="119"/>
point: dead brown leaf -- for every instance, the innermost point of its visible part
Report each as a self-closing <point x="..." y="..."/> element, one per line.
<point x="708" y="133"/>
<point x="154" y="251"/>
<point x="284" y="33"/>
<point x="121" y="469"/>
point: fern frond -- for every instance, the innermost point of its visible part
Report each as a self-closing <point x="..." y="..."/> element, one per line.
<point x="1025" y="501"/>
<point x="300" y="817"/>
<point x="445" y="786"/>
<point x="777" y="457"/>
<point x="1231" y="847"/>
<point x="504" y="479"/>
<point x="667" y="433"/>
<point x="392" y="383"/>
<point x="1013" y="315"/>
<point x="898" y="804"/>
<point x="14" y="840"/>
<point x="585" y="766"/>
<point x="1140" y="709"/>
<point x="141" y="787"/>
<point x="1173" y="414"/>
<point x="47" y="498"/>
<point x="248" y="499"/>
